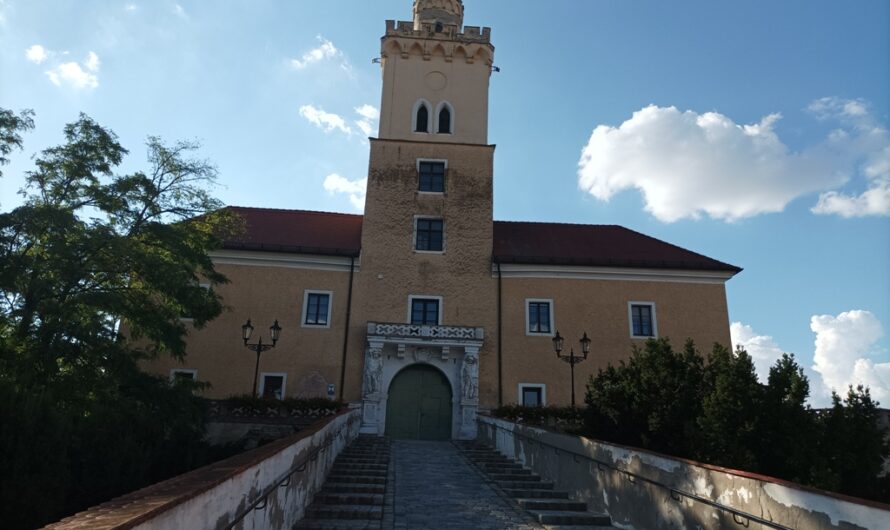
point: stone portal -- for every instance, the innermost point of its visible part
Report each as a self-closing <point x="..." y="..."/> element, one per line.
<point x="453" y="351"/>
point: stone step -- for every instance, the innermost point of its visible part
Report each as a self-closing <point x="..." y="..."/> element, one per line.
<point x="337" y="524"/>
<point x="514" y="477"/>
<point x="359" y="460"/>
<point x="526" y="485"/>
<point x="356" y="488"/>
<point x="565" y="505"/>
<point x="362" y="465"/>
<point x="537" y="494"/>
<point x="507" y="471"/>
<point x="353" y="498"/>
<point x="338" y="470"/>
<point x="354" y="479"/>
<point x="577" y="527"/>
<point x="560" y="517"/>
<point x="344" y="511"/>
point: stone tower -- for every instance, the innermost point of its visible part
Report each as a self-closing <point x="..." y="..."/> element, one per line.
<point x="425" y="286"/>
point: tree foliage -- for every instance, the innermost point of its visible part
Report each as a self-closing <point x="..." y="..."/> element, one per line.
<point x="89" y="252"/>
<point x="716" y="411"/>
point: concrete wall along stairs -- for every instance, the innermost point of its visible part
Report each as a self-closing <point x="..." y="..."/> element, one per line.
<point x="550" y="507"/>
<point x="353" y="495"/>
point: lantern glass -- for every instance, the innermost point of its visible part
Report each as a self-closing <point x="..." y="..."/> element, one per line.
<point x="585" y="344"/>
<point x="246" y="331"/>
<point x="557" y="343"/>
<point x="275" y="331"/>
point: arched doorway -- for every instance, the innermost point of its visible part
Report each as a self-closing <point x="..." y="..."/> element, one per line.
<point x="419" y="405"/>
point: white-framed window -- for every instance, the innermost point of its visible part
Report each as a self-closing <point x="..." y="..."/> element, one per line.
<point x="183" y="374"/>
<point x="539" y="316"/>
<point x="317" y="309"/>
<point x="532" y="395"/>
<point x="641" y="318"/>
<point x="424" y="310"/>
<point x="431" y="175"/>
<point x="429" y="234"/>
<point x="444" y="118"/>
<point x="421" y="117"/>
<point x="272" y="385"/>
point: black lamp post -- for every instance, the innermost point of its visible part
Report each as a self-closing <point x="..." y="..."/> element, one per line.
<point x="571" y="358"/>
<point x="259" y="347"/>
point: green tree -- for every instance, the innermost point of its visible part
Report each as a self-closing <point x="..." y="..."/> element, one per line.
<point x="651" y="400"/>
<point x="852" y="446"/>
<point x="784" y="421"/>
<point x="730" y="408"/>
<point x="88" y="252"/>
<point x="11" y="128"/>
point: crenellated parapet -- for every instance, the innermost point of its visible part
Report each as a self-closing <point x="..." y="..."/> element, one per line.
<point x="471" y="45"/>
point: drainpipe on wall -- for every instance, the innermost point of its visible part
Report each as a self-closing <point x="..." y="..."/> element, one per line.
<point x="346" y="329"/>
<point x="500" y="334"/>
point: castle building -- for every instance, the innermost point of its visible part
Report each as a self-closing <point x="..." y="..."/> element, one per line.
<point x="425" y="309"/>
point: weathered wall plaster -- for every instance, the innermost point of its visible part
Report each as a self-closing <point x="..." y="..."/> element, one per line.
<point x="613" y="479"/>
<point x="214" y="496"/>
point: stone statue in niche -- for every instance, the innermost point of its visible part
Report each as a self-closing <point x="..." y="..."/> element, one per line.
<point x="469" y="378"/>
<point x="373" y="370"/>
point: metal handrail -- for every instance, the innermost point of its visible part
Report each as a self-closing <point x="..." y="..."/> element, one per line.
<point x="261" y="500"/>
<point x="673" y="492"/>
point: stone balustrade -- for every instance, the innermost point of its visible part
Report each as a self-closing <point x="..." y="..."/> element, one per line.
<point x="268" y="487"/>
<point x="642" y="489"/>
<point x="413" y="331"/>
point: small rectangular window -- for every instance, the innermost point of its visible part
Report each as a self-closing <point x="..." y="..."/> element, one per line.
<point x="317" y="309"/>
<point x="177" y="375"/>
<point x="642" y="319"/>
<point x="431" y="177"/>
<point x="430" y="235"/>
<point x="425" y="311"/>
<point x="531" y="395"/>
<point x="272" y="386"/>
<point x="539" y="317"/>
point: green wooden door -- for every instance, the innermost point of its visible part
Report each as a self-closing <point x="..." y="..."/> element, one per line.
<point x="419" y="405"/>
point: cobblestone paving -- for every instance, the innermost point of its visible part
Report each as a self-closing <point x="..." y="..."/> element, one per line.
<point x="435" y="488"/>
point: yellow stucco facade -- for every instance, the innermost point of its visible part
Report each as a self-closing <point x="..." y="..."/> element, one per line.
<point x="431" y="279"/>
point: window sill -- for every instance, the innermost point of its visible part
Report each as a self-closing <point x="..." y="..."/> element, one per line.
<point x="316" y="326"/>
<point x="538" y="334"/>
<point x="440" y="252"/>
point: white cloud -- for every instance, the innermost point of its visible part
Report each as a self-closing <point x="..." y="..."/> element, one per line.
<point x="36" y="54"/>
<point x="370" y="115"/>
<point x="845" y="347"/>
<point x="74" y="75"/>
<point x="131" y="7"/>
<point x="179" y="11"/>
<point x="762" y="348"/>
<point x="687" y="164"/>
<point x="355" y="189"/>
<point x="325" y="120"/>
<point x="326" y="50"/>
<point x="92" y="62"/>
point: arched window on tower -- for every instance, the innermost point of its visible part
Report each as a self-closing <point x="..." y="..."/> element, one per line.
<point x="444" y="123"/>
<point x="422" y="119"/>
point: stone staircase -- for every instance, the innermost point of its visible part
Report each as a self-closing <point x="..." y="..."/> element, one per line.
<point x="353" y="495"/>
<point x="550" y="507"/>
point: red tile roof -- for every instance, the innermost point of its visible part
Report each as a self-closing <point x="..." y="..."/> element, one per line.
<point x="298" y="231"/>
<point x="593" y="245"/>
<point x="337" y="234"/>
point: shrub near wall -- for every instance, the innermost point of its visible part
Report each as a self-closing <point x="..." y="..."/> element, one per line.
<point x="716" y="411"/>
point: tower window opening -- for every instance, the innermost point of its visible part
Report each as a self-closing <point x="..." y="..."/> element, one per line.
<point x="422" y="121"/>
<point x="445" y="120"/>
<point x="439" y="27"/>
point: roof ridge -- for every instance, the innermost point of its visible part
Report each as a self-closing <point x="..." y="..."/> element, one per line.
<point x="293" y="210"/>
<point x="684" y="249"/>
<point x="554" y="223"/>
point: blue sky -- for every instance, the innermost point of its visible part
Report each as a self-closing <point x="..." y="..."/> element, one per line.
<point x="754" y="132"/>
